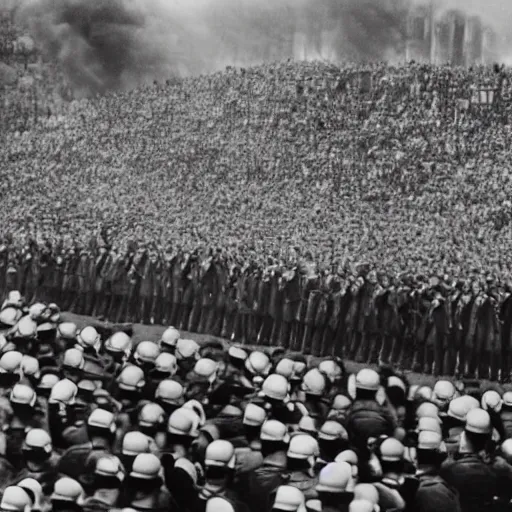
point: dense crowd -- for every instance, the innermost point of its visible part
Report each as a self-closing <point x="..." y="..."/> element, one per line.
<point x="360" y="211"/>
<point x="94" y="422"/>
<point x="432" y="325"/>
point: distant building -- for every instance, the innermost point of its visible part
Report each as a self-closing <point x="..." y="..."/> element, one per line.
<point x="448" y="37"/>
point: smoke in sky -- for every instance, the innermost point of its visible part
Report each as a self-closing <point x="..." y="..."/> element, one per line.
<point x="117" y="44"/>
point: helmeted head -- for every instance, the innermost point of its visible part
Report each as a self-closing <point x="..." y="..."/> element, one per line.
<point x="169" y="340"/>
<point x="67" y="490"/>
<point x="89" y="340"/>
<point x="288" y="499"/>
<point x="335" y="478"/>
<point x="15" y="499"/>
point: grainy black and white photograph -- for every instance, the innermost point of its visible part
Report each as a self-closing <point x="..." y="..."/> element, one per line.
<point x="255" y="256"/>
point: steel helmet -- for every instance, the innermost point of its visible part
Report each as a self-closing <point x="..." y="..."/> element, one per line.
<point x="314" y="383"/>
<point x="427" y="409"/>
<point x="36" y="310"/>
<point x="288" y="498"/>
<point x="334" y="478"/>
<point x="424" y="392"/>
<point x="228" y="411"/>
<point x="182" y="423"/>
<point x="100" y="418"/>
<point x="23" y="395"/>
<point x="459" y="407"/>
<point x="195" y="407"/>
<point x="366" y="492"/>
<point x="37" y="438"/>
<point x="119" y="342"/>
<point x="170" y="391"/>
<point x="109" y="466"/>
<point x="166" y="363"/>
<point x="367" y="379"/>
<point x="16" y="499"/>
<point x="307" y="425"/>
<point x="10" y="362"/>
<point x="341" y="403"/>
<point x="273" y="430"/>
<point x="151" y="415"/>
<point x="429" y="424"/>
<point x="135" y="443"/>
<point x="67" y="331"/>
<point x="47" y="381"/>
<point x="131" y="378"/>
<point x="30" y="366"/>
<point x="276" y="387"/>
<point x="146" y="352"/>
<point x="254" y="415"/>
<point x="14" y="298"/>
<point x="331" y="431"/>
<point x="396" y="382"/>
<point x="285" y="368"/>
<point x="146" y="466"/>
<point x="68" y="489"/>
<point x="33" y="486"/>
<point x="506" y="449"/>
<point x="391" y="450"/>
<point x="478" y="421"/>
<point x="9" y="316"/>
<point x="237" y="353"/>
<point x="361" y="506"/>
<point x="206" y="369"/>
<point x="444" y="391"/>
<point x="187" y="466"/>
<point x="350" y="457"/>
<point x="220" y="453"/>
<point x="491" y="400"/>
<point x="73" y="359"/>
<point x="186" y="349"/>
<point x="258" y="363"/>
<point x="64" y="391"/>
<point x="217" y="504"/>
<point x="507" y="398"/>
<point x="302" y="447"/>
<point x="88" y="337"/>
<point x="429" y="440"/>
<point x="25" y="328"/>
<point x="313" y="505"/>
<point x="331" y="369"/>
<point x="170" y="337"/>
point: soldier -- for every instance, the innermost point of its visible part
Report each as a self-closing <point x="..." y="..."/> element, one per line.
<point x="166" y="287"/>
<point x="353" y="341"/>
<point x="313" y="299"/>
<point x="157" y="300"/>
<point x="194" y="292"/>
<point x="119" y="271"/>
<point x="264" y="294"/>
<point x="333" y="314"/>
<point x="4" y="256"/>
<point x="321" y="315"/>
<point x="208" y="296"/>
<point x="146" y="289"/>
<point x="291" y="292"/>
<point x="368" y="318"/>
<point x="102" y="288"/>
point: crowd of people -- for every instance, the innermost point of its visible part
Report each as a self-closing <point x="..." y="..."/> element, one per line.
<point x="434" y="325"/>
<point x="359" y="211"/>
<point x="95" y="421"/>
